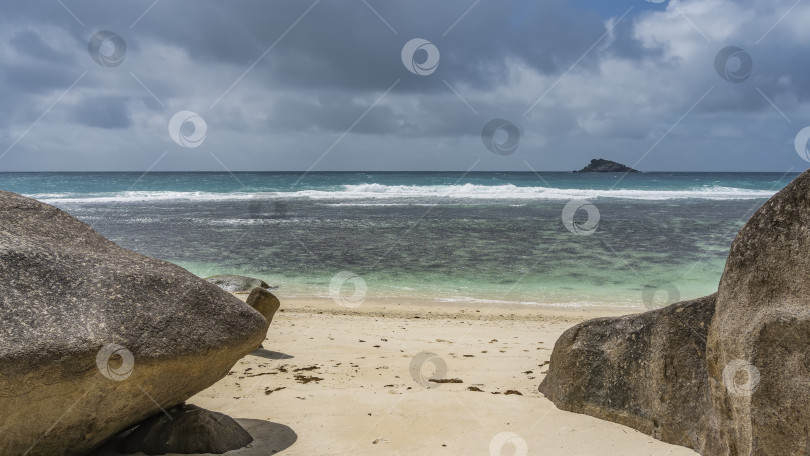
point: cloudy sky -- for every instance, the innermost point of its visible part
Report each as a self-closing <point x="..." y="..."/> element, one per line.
<point x="341" y="85"/>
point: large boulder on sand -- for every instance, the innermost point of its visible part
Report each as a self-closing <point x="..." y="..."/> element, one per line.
<point x="748" y="392"/>
<point x="758" y="348"/>
<point x="646" y="371"/>
<point x="96" y="338"/>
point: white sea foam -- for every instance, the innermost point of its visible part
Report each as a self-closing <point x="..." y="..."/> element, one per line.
<point x="414" y="193"/>
<point x="511" y="192"/>
<point x="145" y="196"/>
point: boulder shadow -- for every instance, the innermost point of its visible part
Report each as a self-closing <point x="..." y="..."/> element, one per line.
<point x="269" y="438"/>
<point x="269" y="354"/>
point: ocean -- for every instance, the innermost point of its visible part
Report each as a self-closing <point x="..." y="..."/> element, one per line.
<point x="555" y="239"/>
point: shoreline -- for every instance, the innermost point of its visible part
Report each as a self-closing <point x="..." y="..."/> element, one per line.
<point x="397" y="307"/>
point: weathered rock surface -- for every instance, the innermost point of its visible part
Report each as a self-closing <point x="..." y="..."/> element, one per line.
<point x="763" y="318"/>
<point x="748" y="393"/>
<point x="93" y="335"/>
<point x="237" y="283"/>
<point x="186" y="429"/>
<point x="264" y="302"/>
<point x="646" y="371"/>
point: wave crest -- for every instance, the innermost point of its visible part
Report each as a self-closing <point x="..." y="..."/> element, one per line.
<point x="376" y="191"/>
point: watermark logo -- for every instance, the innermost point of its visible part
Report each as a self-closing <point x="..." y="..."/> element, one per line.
<point x="496" y="445"/>
<point x="733" y="64"/>
<point x="500" y="136"/>
<point x="178" y="129"/>
<point x="741" y="378"/>
<point x="418" y="370"/>
<point x="581" y="228"/>
<point x="115" y="362"/>
<point x="339" y="282"/>
<point x="651" y="295"/>
<point x="800" y="143"/>
<point x="420" y="57"/>
<point x="107" y="48"/>
<point x="260" y="207"/>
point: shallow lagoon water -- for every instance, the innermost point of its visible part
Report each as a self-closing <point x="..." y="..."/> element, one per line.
<point x="490" y="237"/>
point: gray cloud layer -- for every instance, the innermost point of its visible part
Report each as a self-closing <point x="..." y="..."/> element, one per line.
<point x="278" y="85"/>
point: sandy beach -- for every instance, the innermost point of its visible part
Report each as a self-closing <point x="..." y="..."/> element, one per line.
<point x="366" y="228"/>
<point x="332" y="380"/>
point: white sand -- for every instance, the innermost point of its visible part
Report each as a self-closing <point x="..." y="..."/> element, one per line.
<point x="365" y="401"/>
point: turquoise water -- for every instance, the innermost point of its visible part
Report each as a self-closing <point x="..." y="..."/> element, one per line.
<point x="497" y="237"/>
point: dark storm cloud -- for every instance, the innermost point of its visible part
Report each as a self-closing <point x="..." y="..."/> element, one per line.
<point x="39" y="66"/>
<point x="588" y="75"/>
<point x="30" y="43"/>
<point x="343" y="44"/>
<point x="104" y="112"/>
<point x="35" y="77"/>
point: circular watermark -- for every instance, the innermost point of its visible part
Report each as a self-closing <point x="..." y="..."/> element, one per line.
<point x="107" y="48"/>
<point x="261" y="207"/>
<point x="417" y="369"/>
<point x="652" y="298"/>
<point x="500" y="136"/>
<point x="520" y="448"/>
<point x="733" y="64"/>
<point x="115" y="362"/>
<point x="741" y="378"/>
<point x="800" y="143"/>
<point x="420" y="57"/>
<point x="179" y="132"/>
<point x="582" y="228"/>
<point x="337" y="284"/>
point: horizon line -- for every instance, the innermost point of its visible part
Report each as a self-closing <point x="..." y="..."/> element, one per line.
<point x="400" y="171"/>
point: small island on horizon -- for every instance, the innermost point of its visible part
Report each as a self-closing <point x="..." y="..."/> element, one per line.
<point x="600" y="165"/>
